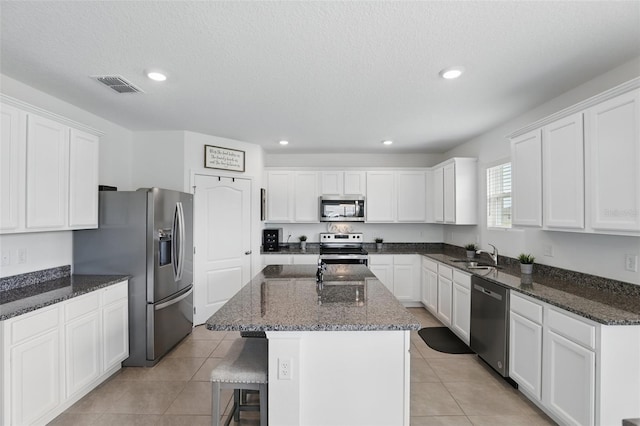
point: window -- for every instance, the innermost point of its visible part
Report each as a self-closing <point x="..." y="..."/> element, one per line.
<point x="499" y="196"/>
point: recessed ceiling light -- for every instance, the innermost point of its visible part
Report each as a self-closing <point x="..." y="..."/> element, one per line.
<point x="156" y="76"/>
<point x="451" y="72"/>
<point x="284" y="142"/>
<point x="387" y="142"/>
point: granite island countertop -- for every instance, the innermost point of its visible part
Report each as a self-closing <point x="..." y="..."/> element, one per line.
<point x="287" y="298"/>
<point x="599" y="299"/>
<point x="22" y="299"/>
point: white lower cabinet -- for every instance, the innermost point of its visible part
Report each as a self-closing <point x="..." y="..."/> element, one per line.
<point x="445" y="287"/>
<point x="461" y="305"/>
<point x="53" y="356"/>
<point x="430" y="285"/>
<point x="579" y="372"/>
<point x="568" y="380"/>
<point x="399" y="273"/>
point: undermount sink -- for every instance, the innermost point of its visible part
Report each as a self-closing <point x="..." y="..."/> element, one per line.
<point x="472" y="264"/>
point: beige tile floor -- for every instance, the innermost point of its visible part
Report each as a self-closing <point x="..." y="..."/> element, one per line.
<point x="445" y="389"/>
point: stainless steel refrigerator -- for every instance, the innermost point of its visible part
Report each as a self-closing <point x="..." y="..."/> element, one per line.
<point x="147" y="234"/>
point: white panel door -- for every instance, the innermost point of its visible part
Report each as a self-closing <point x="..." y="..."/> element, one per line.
<point x="613" y="163"/>
<point x="525" y="354"/>
<point x="568" y="380"/>
<point x="11" y="167"/>
<point x="115" y="330"/>
<point x="449" y="193"/>
<point x="432" y="291"/>
<point x="563" y="173"/>
<point x="222" y="240"/>
<point x="406" y="281"/>
<point x="412" y="196"/>
<point x="438" y="194"/>
<point x="83" y="180"/>
<point x="36" y="383"/>
<point x="381" y="206"/>
<point x="526" y="179"/>
<point x="306" y="209"/>
<point x="461" y="311"/>
<point x="47" y="173"/>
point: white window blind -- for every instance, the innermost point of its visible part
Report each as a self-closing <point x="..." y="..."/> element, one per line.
<point x="499" y="196"/>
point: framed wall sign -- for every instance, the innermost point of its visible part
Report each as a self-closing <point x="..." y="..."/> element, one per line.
<point x="216" y="157"/>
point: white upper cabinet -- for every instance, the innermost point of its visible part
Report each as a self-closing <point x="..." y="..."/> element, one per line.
<point x="590" y="166"/>
<point x="337" y="182"/>
<point x="526" y="179"/>
<point x="280" y="196"/>
<point x="306" y="197"/>
<point x="292" y="196"/>
<point x="563" y="173"/>
<point x="612" y="158"/>
<point x="454" y="191"/>
<point x="381" y="196"/>
<point x="83" y="179"/>
<point x="49" y="171"/>
<point x="11" y="167"/>
<point x="412" y="200"/>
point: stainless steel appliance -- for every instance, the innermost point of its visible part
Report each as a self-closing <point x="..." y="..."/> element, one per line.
<point x="490" y="323"/>
<point x="148" y="235"/>
<point x="343" y="249"/>
<point x="348" y="208"/>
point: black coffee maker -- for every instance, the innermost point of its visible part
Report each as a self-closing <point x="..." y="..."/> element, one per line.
<point x="271" y="239"/>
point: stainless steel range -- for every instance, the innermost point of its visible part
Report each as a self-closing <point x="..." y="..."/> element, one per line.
<point x="343" y="249"/>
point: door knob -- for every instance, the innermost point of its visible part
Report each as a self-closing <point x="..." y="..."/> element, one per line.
<point x="247" y="252"/>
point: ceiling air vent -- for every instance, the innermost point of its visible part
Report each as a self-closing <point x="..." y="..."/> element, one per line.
<point x="117" y="83"/>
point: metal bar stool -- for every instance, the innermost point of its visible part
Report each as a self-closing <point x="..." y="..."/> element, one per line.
<point x="244" y="367"/>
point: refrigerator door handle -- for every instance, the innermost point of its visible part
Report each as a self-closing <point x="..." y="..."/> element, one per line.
<point x="173" y="301"/>
<point x="178" y="242"/>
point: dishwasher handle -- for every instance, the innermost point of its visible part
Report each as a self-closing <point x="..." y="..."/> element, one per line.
<point x="487" y="292"/>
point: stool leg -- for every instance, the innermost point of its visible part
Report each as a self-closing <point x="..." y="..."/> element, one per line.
<point x="215" y="404"/>
<point x="264" y="414"/>
<point x="237" y="399"/>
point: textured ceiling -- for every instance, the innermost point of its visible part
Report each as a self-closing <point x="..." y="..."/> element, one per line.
<point x="328" y="76"/>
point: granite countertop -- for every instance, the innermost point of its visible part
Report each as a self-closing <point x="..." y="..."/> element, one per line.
<point x="601" y="300"/>
<point x="287" y="298"/>
<point x="19" y="300"/>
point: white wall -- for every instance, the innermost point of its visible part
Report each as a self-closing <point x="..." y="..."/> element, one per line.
<point x="52" y="249"/>
<point x="351" y="160"/>
<point x="158" y="160"/>
<point x="600" y="255"/>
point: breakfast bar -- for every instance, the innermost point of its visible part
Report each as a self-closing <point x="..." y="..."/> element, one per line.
<point x="345" y="342"/>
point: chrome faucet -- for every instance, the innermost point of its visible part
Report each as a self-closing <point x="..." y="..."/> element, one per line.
<point x="494" y="255"/>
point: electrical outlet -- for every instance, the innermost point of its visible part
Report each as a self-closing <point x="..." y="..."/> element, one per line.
<point x="6" y="257"/>
<point x="631" y="262"/>
<point x="284" y="368"/>
<point x="22" y="255"/>
<point x="547" y="250"/>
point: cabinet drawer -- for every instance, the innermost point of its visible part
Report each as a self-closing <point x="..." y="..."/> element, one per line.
<point x="462" y="279"/>
<point x="115" y="292"/>
<point x="82" y="305"/>
<point x="571" y="328"/>
<point x="526" y="308"/>
<point x="403" y="259"/>
<point x="445" y="271"/>
<point x="34" y="323"/>
<point x="381" y="259"/>
<point x="429" y="264"/>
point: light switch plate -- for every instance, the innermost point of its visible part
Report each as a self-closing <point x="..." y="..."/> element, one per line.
<point x="631" y="262"/>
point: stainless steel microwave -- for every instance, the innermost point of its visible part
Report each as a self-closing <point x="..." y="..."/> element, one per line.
<point x="347" y="208"/>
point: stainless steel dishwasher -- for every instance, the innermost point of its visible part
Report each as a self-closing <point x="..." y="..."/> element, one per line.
<point x="490" y="323"/>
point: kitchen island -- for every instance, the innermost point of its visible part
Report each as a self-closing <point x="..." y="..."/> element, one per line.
<point x="346" y="341"/>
